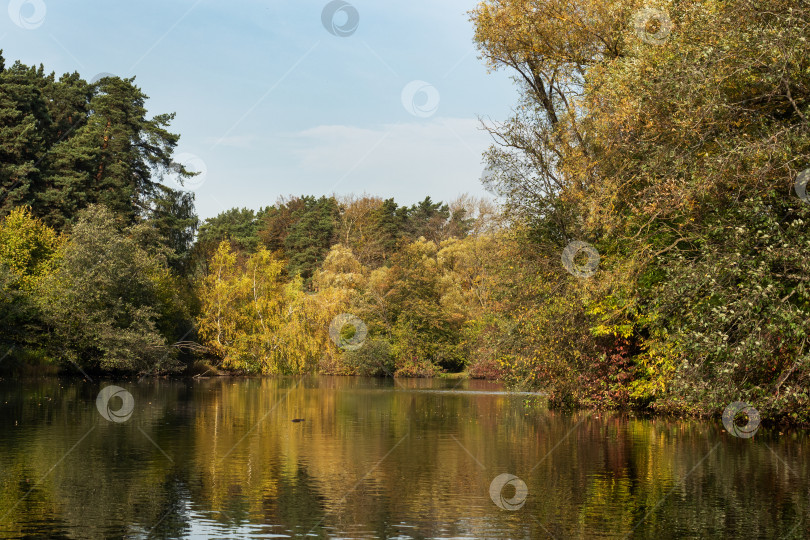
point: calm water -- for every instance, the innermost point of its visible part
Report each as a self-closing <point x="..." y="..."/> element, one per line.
<point x="378" y="459"/>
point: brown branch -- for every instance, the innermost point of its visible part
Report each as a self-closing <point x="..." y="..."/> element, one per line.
<point x="790" y="98"/>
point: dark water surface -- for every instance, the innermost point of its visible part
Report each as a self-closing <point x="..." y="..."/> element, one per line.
<point x="377" y="459"/>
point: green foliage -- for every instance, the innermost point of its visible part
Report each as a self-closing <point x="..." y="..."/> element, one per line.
<point x="67" y="146"/>
<point x="427" y="219"/>
<point x="20" y="317"/>
<point x="389" y="226"/>
<point x="676" y="159"/>
<point x="105" y="302"/>
<point x="240" y="226"/>
<point x="424" y="331"/>
<point x="736" y="310"/>
<point x="27" y="248"/>
<point x="373" y="359"/>
<point x="302" y="229"/>
<point x="309" y="237"/>
<point x="174" y="222"/>
<point x="28" y="255"/>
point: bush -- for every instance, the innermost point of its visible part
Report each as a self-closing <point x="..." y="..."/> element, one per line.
<point x="373" y="359"/>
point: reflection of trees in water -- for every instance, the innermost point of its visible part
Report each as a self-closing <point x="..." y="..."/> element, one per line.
<point x="235" y="457"/>
<point x="110" y="475"/>
<point x="298" y="505"/>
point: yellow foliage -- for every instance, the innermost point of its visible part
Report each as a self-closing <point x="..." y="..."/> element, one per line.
<point x="28" y="247"/>
<point x="255" y="321"/>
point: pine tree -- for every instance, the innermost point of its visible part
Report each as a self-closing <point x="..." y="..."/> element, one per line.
<point x="311" y="236"/>
<point x="66" y="144"/>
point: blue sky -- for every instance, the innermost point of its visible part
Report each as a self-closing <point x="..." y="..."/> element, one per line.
<point x="270" y="103"/>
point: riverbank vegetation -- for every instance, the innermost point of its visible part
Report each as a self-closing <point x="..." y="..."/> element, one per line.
<point x="671" y="138"/>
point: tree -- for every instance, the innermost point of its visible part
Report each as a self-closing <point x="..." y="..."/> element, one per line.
<point x="22" y="110"/>
<point x="66" y="144"/>
<point x="358" y="218"/>
<point x="174" y="222"/>
<point x="310" y="236"/>
<point x="28" y="248"/>
<point x="28" y="255"/>
<point x="425" y="335"/>
<point x="278" y="220"/>
<point x="240" y="226"/>
<point x="388" y="227"/>
<point x="254" y="321"/>
<point x="340" y="270"/>
<point x="663" y="137"/>
<point x="109" y="300"/>
<point x="428" y="219"/>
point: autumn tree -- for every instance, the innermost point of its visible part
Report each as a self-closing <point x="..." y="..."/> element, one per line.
<point x="28" y="255"/>
<point x="358" y="228"/>
<point x="660" y="134"/>
<point x="254" y="320"/>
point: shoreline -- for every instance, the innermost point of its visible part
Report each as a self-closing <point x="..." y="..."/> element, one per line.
<point x="782" y="423"/>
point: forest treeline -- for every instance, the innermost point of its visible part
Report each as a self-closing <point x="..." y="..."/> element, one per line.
<point x="649" y="247"/>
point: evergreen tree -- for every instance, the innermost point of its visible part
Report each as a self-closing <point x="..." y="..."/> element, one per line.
<point x="277" y="222"/>
<point x="66" y="144"/>
<point x="23" y="116"/>
<point x="427" y="219"/>
<point x="311" y="235"/>
<point x="240" y="226"/>
<point x="389" y="226"/>
<point x="174" y="221"/>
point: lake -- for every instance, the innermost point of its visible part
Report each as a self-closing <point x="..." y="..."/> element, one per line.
<point x="377" y="458"/>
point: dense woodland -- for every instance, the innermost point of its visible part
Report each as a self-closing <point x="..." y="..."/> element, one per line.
<point x="672" y="139"/>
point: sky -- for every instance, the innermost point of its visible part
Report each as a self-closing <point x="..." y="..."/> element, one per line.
<point x="290" y="97"/>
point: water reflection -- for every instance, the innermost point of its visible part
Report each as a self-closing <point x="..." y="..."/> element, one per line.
<point x="378" y="459"/>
